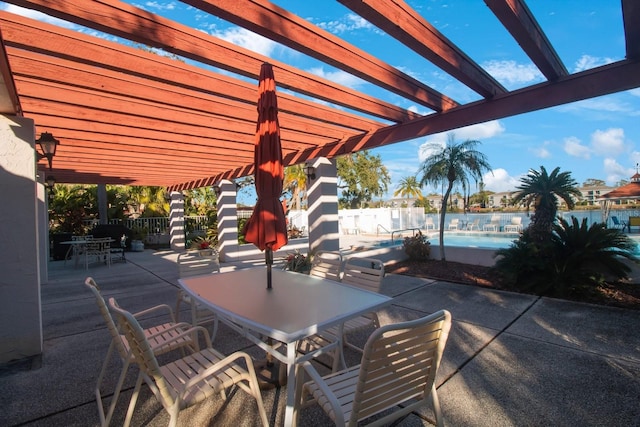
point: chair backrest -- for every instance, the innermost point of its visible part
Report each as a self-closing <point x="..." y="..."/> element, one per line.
<point x="454" y="221"/>
<point x="366" y="273"/>
<point x="495" y="219"/>
<point x="108" y="320"/>
<point x="400" y="362"/>
<point x="142" y="352"/>
<point x="194" y="264"/>
<point x="516" y="220"/>
<point x="327" y="265"/>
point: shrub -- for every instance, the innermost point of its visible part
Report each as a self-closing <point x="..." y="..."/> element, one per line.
<point x="297" y="262"/>
<point x="417" y="247"/>
<point x="574" y="261"/>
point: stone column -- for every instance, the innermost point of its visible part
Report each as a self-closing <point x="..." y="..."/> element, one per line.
<point x="103" y="216"/>
<point x="176" y="222"/>
<point x="322" y="208"/>
<point x="227" y="220"/>
<point x="20" y="251"/>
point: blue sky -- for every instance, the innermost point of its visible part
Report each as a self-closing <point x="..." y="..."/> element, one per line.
<point x="597" y="138"/>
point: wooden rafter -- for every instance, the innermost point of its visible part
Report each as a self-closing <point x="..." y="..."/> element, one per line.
<point x="518" y="19"/>
<point x="299" y="34"/>
<point x="631" y="20"/>
<point x="400" y="21"/>
<point x="120" y="19"/>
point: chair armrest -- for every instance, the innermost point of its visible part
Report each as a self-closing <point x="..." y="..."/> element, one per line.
<point x="322" y="385"/>
<point x="185" y="333"/>
<point x="154" y="309"/>
<point x="222" y="364"/>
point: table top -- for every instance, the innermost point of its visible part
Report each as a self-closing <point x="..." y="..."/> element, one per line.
<point x="84" y="242"/>
<point x="297" y="306"/>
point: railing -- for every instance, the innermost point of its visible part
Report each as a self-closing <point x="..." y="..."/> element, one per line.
<point x="413" y="230"/>
<point x="378" y="229"/>
<point x="160" y="225"/>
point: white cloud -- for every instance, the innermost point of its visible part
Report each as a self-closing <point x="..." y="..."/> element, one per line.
<point x="540" y="152"/>
<point x="338" y="76"/>
<point x="635" y="92"/>
<point x="510" y="72"/>
<point x="248" y="39"/>
<point x="573" y="147"/>
<point x="609" y="142"/>
<point x="586" y="62"/>
<point x="480" y="131"/>
<point x="500" y="181"/>
<point x="350" y="22"/>
<point x="160" y="6"/>
<point x="38" y="16"/>
<point x="615" y="172"/>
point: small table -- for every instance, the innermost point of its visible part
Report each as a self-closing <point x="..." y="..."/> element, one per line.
<point x="298" y="306"/>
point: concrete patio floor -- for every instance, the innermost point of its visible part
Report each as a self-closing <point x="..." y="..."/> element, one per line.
<point x="511" y="359"/>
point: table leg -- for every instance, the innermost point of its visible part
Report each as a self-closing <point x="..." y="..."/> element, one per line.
<point x="291" y="383"/>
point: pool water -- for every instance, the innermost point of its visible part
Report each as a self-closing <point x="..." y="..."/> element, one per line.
<point x="475" y="240"/>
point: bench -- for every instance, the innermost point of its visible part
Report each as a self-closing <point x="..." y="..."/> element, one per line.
<point x="634" y="221"/>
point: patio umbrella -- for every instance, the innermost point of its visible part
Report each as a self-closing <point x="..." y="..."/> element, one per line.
<point x="267" y="228"/>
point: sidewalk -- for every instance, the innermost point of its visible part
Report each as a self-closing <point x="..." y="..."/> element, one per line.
<point x="511" y="359"/>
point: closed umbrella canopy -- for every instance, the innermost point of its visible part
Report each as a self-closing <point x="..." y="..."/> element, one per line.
<point x="267" y="228"/>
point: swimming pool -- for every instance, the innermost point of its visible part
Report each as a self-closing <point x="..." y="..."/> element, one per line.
<point x="475" y="240"/>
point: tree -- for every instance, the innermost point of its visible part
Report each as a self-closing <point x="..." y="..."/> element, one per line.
<point x="543" y="191"/>
<point x="592" y="182"/>
<point x="453" y="165"/>
<point x="295" y="182"/>
<point x="361" y="176"/>
<point x="409" y="187"/>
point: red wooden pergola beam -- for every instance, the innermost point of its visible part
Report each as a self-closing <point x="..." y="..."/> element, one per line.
<point x="520" y="22"/>
<point x="400" y="21"/>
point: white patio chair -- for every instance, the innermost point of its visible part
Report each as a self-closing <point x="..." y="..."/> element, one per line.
<point x="190" y="380"/>
<point x="429" y="224"/>
<point x="397" y="371"/>
<point x="454" y="223"/>
<point x="193" y="264"/>
<point x="98" y="250"/>
<point x="474" y="224"/>
<point x="164" y="337"/>
<point x="493" y="224"/>
<point x="327" y="265"/>
<point x="515" y="225"/>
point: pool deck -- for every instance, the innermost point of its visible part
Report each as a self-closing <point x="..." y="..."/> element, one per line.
<point x="511" y="359"/>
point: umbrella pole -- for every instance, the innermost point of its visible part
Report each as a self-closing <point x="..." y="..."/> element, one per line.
<point x="268" y="259"/>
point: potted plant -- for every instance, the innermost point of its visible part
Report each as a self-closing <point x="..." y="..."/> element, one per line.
<point x="204" y="245"/>
<point x="417" y="247"/>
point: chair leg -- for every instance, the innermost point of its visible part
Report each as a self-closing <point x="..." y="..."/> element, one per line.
<point x="134" y="400"/>
<point x="436" y="406"/>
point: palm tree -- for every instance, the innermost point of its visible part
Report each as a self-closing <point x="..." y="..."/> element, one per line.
<point x="409" y="187"/>
<point x="452" y="164"/>
<point x="543" y="191"/>
<point x="295" y="182"/>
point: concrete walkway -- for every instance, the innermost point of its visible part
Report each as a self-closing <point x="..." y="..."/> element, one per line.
<point x="511" y="359"/>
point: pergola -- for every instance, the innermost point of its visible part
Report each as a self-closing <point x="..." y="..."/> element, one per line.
<point x="129" y="116"/>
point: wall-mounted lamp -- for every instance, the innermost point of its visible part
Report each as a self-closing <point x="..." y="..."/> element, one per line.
<point x="310" y="171"/>
<point x="48" y="145"/>
<point x="51" y="181"/>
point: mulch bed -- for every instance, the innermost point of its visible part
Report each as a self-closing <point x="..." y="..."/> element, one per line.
<point x="619" y="294"/>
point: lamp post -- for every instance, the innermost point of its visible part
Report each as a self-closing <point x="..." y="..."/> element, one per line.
<point x="48" y="145"/>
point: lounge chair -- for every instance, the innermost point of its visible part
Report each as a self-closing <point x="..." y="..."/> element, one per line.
<point x="493" y="224"/>
<point x="429" y="224"/>
<point x="620" y="225"/>
<point x="397" y="373"/>
<point x="190" y="380"/>
<point x="515" y="225"/>
<point x="474" y="224"/>
<point x="453" y="225"/>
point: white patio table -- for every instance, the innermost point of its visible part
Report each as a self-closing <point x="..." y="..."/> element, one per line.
<point x="298" y="306"/>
